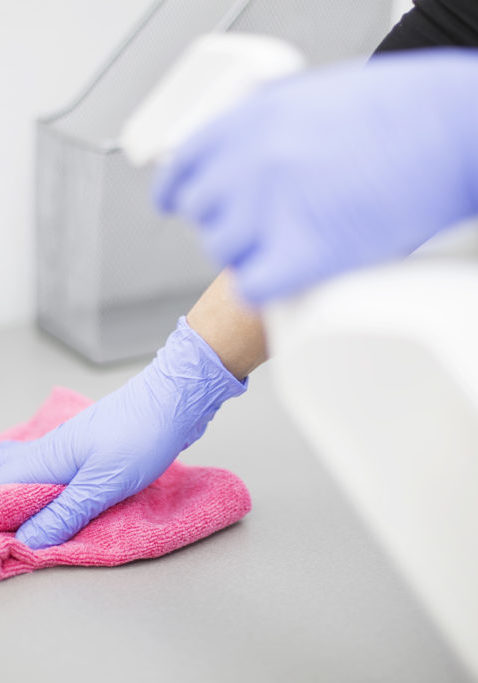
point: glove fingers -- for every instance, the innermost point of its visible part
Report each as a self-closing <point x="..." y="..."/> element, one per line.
<point x="200" y="199"/>
<point x="190" y="160"/>
<point x="80" y="502"/>
<point x="35" y="462"/>
<point x="227" y="221"/>
<point x="254" y="281"/>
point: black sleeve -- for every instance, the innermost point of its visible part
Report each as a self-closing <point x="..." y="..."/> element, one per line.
<point x="434" y="23"/>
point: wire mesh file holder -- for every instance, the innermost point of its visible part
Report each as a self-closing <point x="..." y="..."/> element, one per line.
<point x="113" y="275"/>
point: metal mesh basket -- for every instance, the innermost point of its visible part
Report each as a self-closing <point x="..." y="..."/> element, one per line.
<point x="113" y="276"/>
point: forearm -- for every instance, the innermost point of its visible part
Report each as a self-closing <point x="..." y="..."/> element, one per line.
<point x="234" y="332"/>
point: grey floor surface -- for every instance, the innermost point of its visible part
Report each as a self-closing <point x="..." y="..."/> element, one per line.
<point x="298" y="591"/>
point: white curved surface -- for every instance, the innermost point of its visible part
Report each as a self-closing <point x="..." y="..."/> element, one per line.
<point x="380" y="371"/>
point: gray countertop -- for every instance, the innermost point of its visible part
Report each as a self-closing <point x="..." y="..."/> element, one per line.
<point x="298" y="591"/>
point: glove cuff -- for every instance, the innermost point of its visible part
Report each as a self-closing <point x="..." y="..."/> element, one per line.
<point x="198" y="353"/>
<point x="189" y="369"/>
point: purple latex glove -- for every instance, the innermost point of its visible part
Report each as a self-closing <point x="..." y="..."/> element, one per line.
<point x="122" y="443"/>
<point x="332" y="170"/>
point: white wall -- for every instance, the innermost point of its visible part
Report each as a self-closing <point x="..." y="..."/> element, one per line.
<point x="399" y="8"/>
<point x="48" y="50"/>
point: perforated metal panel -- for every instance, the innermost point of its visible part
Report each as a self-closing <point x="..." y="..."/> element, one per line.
<point x="113" y="276"/>
<point x="325" y="30"/>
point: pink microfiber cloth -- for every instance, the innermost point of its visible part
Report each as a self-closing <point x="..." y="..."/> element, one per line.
<point x="184" y="505"/>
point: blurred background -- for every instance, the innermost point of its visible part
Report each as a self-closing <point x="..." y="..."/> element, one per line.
<point x="48" y="52"/>
<point x="84" y="260"/>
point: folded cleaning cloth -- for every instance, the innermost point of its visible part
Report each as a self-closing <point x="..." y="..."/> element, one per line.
<point x="184" y="505"/>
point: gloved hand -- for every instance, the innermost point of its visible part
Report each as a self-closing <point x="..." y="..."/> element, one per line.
<point x="121" y="444"/>
<point x="332" y="170"/>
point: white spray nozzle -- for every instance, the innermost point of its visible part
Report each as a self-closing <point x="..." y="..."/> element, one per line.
<point x="214" y="73"/>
